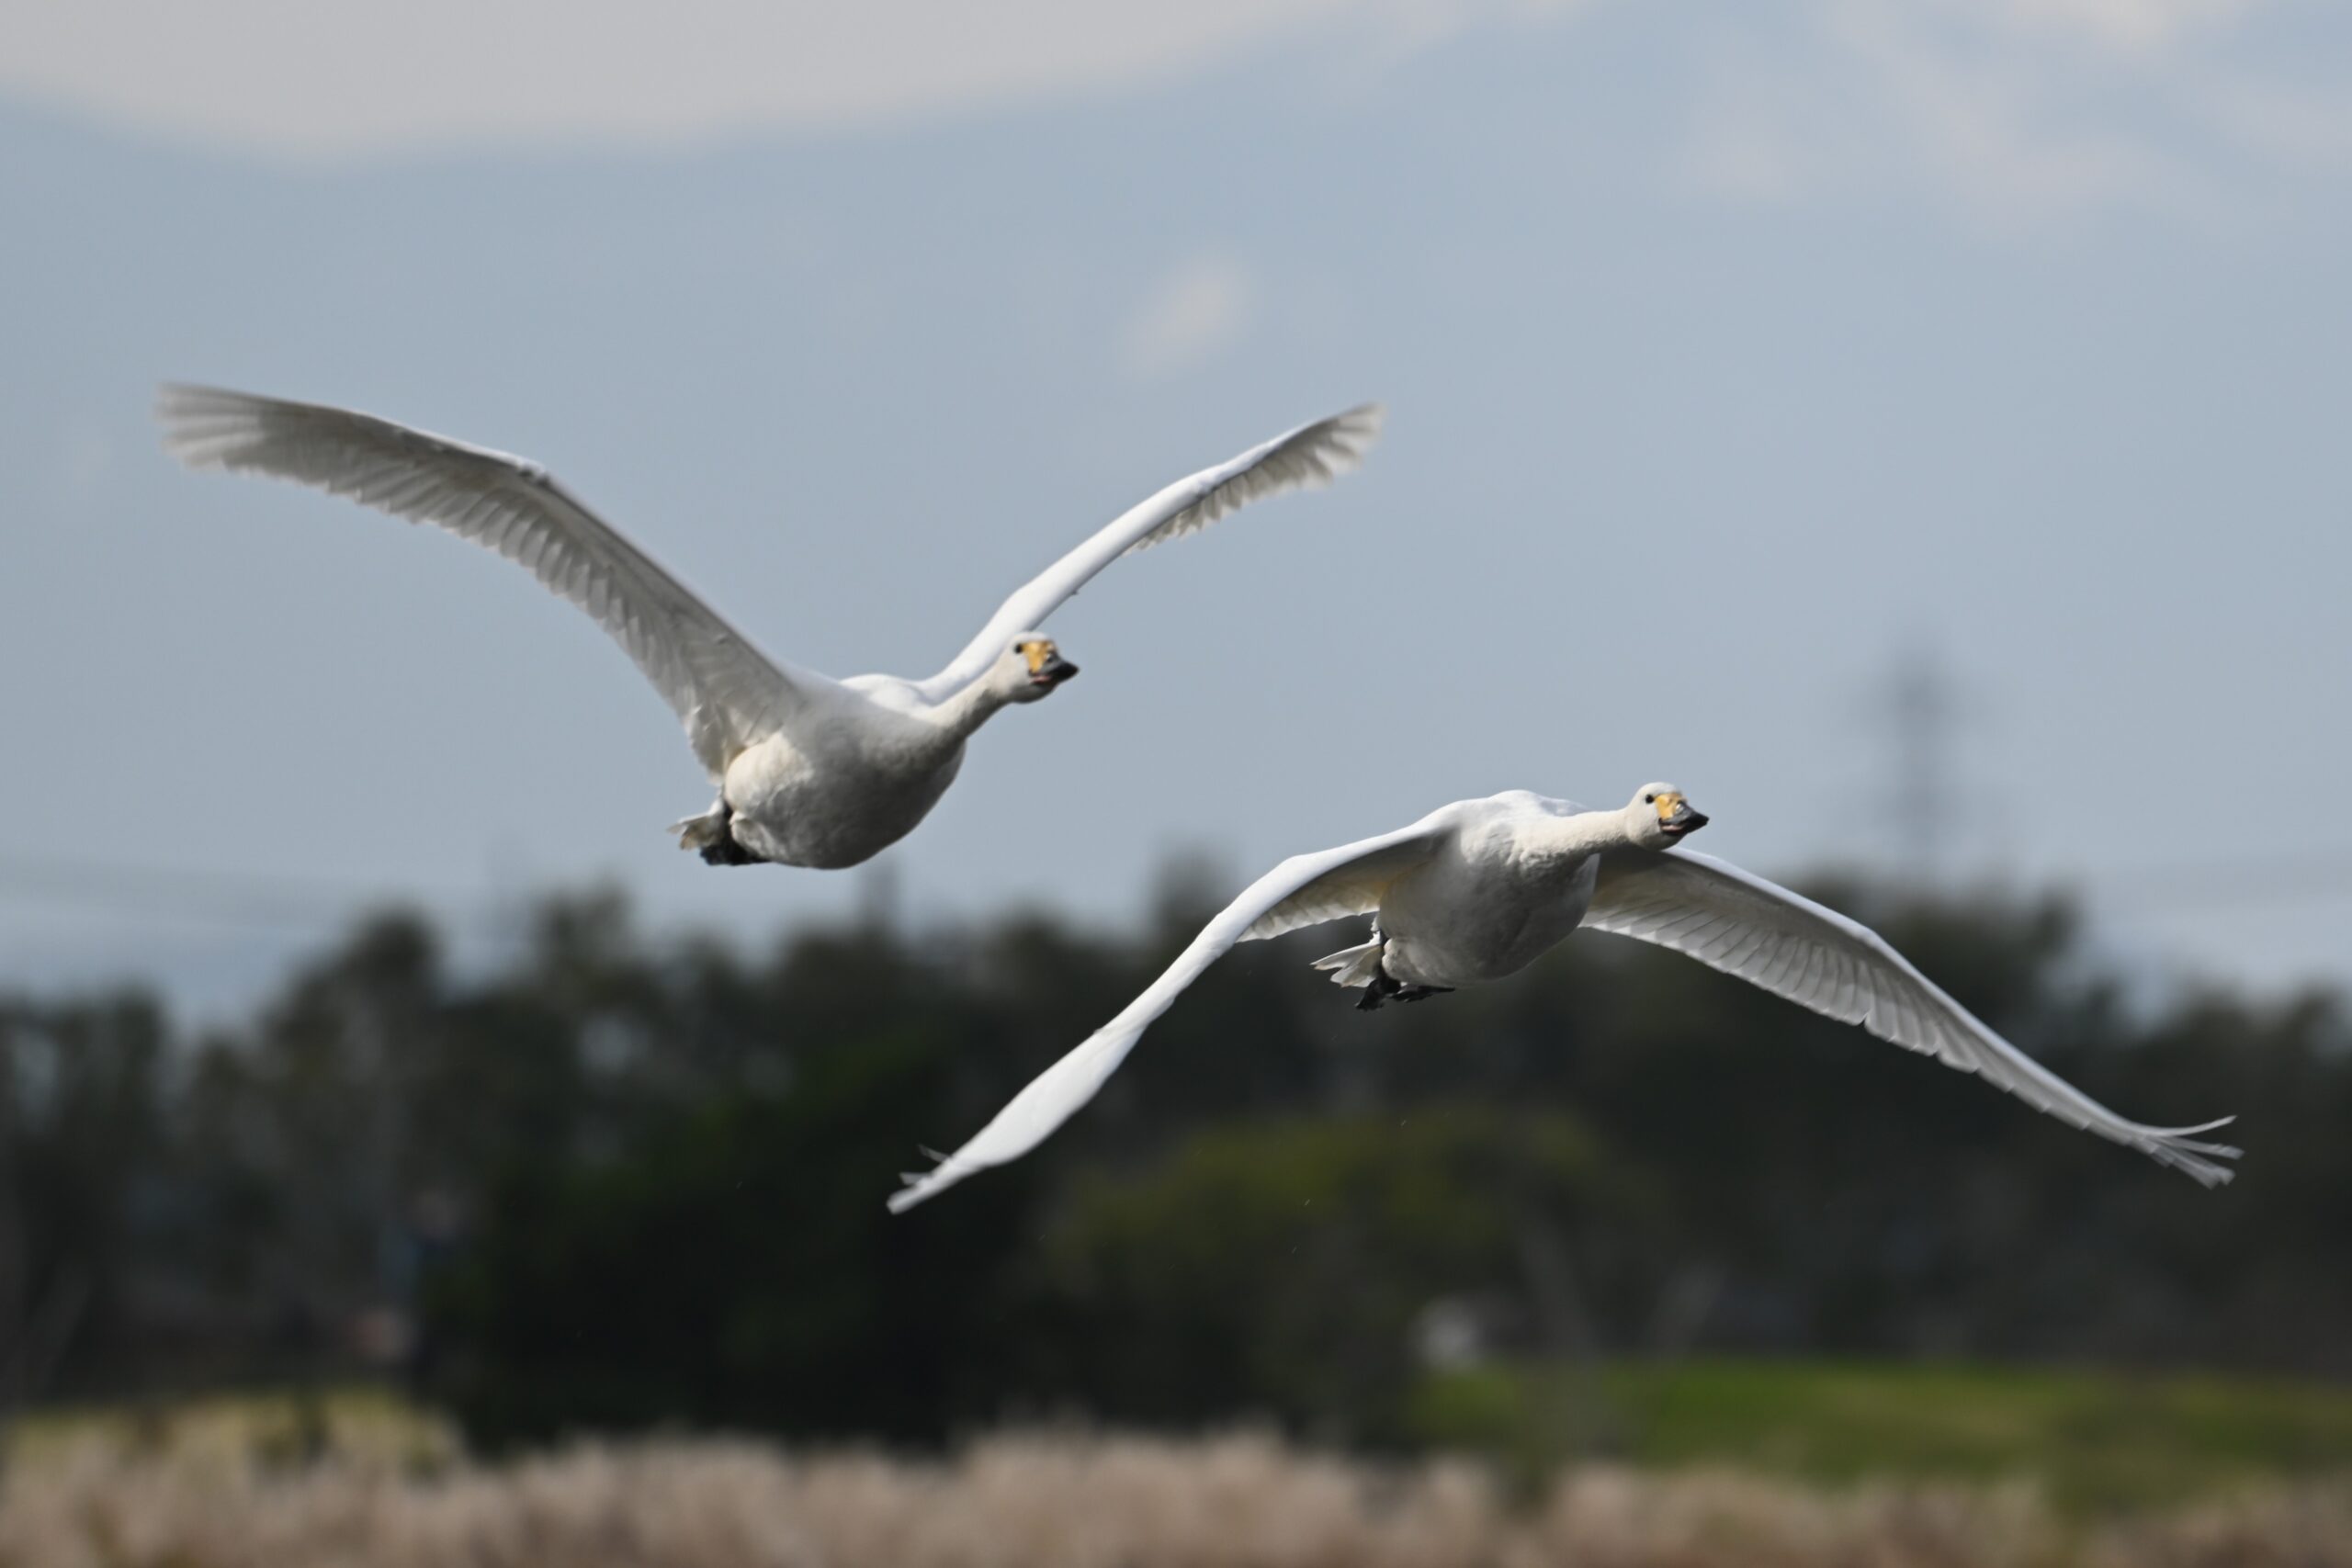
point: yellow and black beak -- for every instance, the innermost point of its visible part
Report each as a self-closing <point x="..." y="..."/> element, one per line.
<point x="1047" y="665"/>
<point x="1675" y="817"/>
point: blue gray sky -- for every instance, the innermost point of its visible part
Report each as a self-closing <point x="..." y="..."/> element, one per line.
<point x="1738" y="355"/>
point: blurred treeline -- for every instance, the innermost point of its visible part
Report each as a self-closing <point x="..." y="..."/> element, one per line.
<point x="622" y="1182"/>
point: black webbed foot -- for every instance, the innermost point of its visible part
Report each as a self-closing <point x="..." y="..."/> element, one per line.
<point x="726" y="852"/>
<point x="1385" y="989"/>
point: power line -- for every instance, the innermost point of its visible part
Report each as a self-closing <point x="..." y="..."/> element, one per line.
<point x="231" y="897"/>
<point x="1921" y="708"/>
<point x="2219" y="884"/>
<point x="205" y="897"/>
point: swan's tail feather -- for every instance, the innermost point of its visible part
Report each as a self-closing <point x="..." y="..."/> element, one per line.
<point x="1355" y="965"/>
<point x="700" y="832"/>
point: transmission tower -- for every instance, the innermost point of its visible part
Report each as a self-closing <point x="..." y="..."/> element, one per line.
<point x="1918" y="707"/>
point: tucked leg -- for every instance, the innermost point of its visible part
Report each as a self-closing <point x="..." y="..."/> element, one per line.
<point x="1385" y="989"/>
<point x="726" y="852"/>
<point x="712" y="835"/>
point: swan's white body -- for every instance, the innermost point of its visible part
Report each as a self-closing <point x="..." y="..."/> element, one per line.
<point x="845" y="780"/>
<point x="1481" y="888"/>
<point x="1487" y="899"/>
<point x="809" y="770"/>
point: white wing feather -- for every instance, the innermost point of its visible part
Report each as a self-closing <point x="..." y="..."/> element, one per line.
<point x="1742" y="925"/>
<point x="726" y="691"/>
<point x="1311" y="455"/>
<point x="1051" y="1097"/>
<point x="1355" y="888"/>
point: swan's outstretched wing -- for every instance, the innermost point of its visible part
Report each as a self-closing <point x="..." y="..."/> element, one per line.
<point x="1354" y="886"/>
<point x="727" y="693"/>
<point x="1788" y="944"/>
<point x="1311" y="455"/>
<point x="1052" y="1094"/>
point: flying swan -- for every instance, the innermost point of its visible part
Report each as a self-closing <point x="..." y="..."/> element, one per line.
<point x="1479" y="889"/>
<point x="809" y="770"/>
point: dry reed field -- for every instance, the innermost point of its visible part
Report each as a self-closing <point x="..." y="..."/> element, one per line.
<point x="374" y="1500"/>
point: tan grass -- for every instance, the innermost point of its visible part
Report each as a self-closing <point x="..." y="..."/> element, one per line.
<point x="1057" y="1501"/>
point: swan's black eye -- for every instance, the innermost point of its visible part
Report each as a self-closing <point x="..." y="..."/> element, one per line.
<point x="1649" y="800"/>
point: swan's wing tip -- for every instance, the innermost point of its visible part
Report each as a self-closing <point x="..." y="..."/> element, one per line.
<point x="1346" y="436"/>
<point x="174" y="395"/>
<point x="920" y="1185"/>
<point x="2198" y="1161"/>
<point x="2205" y="1173"/>
<point x="201" y="422"/>
<point x="185" y="399"/>
<point x="2215" y="1124"/>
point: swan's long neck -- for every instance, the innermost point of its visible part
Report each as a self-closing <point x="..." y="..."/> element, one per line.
<point x="1576" y="838"/>
<point x="970" y="708"/>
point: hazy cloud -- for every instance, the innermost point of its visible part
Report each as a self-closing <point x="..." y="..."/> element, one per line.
<point x="1194" y="312"/>
<point x="2023" y="111"/>
<point x="295" y="75"/>
<point x="322" y="79"/>
<point x="2126" y="26"/>
<point x="2286" y="125"/>
<point x="2013" y="112"/>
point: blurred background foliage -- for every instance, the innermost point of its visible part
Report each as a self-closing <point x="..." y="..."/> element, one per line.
<point x="1618" y="1205"/>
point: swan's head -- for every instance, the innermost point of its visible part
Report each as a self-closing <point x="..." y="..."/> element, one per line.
<point x="1029" y="668"/>
<point x="1660" y="814"/>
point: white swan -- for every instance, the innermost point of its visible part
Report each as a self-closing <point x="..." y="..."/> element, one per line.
<point x="809" y="770"/>
<point x="1479" y="889"/>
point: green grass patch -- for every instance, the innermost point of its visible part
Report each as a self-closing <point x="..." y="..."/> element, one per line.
<point x="2093" y="1440"/>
